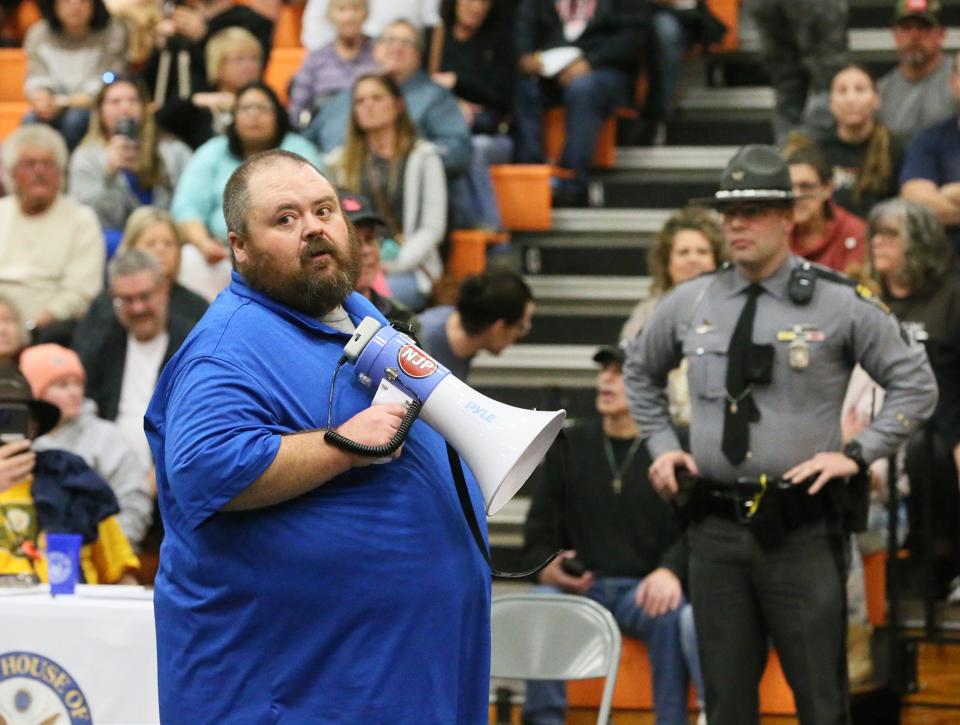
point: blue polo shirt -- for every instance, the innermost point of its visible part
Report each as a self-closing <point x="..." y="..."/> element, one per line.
<point x="935" y="155"/>
<point x="363" y="601"/>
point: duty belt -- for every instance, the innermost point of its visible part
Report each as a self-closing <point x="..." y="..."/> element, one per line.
<point x="770" y="507"/>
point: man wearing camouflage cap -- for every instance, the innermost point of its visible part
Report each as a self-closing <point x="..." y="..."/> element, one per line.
<point x="771" y="340"/>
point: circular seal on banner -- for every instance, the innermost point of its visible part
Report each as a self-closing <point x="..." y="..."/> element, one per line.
<point x="415" y="362"/>
<point x="34" y="689"/>
<point x="59" y="567"/>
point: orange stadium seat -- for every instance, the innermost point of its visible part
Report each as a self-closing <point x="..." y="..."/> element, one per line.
<point x="727" y="12"/>
<point x="283" y="64"/>
<point x="634" y="689"/>
<point x="605" y="153"/>
<point x="468" y="251"/>
<point x="523" y="195"/>
<point x="11" y="114"/>
<point x="13" y="72"/>
<point x="289" y="25"/>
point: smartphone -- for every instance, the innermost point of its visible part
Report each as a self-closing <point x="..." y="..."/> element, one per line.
<point x="14" y="421"/>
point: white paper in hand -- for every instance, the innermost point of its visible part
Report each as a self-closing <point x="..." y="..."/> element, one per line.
<point x="556" y="59"/>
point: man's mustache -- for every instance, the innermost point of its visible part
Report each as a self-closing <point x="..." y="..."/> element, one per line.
<point x="319" y="246"/>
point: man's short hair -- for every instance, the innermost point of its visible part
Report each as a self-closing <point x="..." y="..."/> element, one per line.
<point x="236" y="194"/>
<point x="420" y="44"/>
<point x="133" y="261"/>
<point x="496" y="294"/>
<point x="32" y="134"/>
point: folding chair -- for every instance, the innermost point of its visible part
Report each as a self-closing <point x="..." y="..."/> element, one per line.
<point x="555" y="637"/>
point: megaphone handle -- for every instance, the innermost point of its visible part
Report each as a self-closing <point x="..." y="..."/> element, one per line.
<point x="334" y="438"/>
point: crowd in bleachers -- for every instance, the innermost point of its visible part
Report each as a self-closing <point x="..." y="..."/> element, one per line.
<point x="112" y="236"/>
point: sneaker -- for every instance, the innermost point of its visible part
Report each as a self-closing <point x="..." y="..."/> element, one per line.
<point x="702" y="718"/>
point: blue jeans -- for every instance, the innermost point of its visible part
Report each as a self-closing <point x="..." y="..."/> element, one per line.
<point x="546" y="700"/>
<point x="665" y="60"/>
<point x="72" y="123"/>
<point x="473" y="198"/>
<point x="588" y="101"/>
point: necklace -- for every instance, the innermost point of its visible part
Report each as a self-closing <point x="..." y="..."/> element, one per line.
<point x="617" y="471"/>
<point x="735" y="402"/>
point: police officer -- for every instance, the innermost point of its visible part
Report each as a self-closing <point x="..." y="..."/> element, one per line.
<point x="771" y="341"/>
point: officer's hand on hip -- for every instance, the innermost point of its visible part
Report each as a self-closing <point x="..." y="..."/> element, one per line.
<point x="824" y="466"/>
<point x="663" y="471"/>
<point x="659" y="592"/>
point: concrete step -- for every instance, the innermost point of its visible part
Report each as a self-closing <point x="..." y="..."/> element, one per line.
<point x="677" y="161"/>
<point x="583" y="255"/>
<point x="569" y="366"/>
<point x="608" y="221"/>
<point x="588" y="294"/>
<point x="563" y="329"/>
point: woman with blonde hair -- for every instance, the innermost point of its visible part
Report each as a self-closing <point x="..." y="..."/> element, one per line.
<point x="689" y="244"/>
<point x="125" y="161"/>
<point x="403" y="176"/>
<point x="234" y="58"/>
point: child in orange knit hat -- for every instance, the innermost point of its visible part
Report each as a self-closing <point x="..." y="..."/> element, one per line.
<point x="56" y="375"/>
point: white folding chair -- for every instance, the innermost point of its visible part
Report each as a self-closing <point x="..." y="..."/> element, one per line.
<point x="555" y="637"/>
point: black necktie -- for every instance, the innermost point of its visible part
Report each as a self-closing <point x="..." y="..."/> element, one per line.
<point x="740" y="409"/>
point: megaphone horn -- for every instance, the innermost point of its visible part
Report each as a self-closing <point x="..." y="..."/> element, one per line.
<point x="501" y="444"/>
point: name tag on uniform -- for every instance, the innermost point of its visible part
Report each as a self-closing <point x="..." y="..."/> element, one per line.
<point x="805" y="332"/>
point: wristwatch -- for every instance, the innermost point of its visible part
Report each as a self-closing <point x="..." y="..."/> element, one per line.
<point x="854" y="451"/>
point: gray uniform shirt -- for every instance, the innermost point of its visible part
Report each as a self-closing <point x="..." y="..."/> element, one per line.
<point x="800" y="408"/>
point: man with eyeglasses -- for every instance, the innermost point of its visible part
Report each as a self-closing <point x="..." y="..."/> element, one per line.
<point x="771" y="341"/>
<point x="125" y="357"/>
<point x="51" y="259"/>
<point x="916" y="93"/>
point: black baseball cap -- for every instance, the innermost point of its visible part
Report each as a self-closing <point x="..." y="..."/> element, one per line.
<point x="608" y="354"/>
<point x="14" y="388"/>
<point x="358" y="209"/>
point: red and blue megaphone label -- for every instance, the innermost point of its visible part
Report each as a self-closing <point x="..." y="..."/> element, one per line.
<point x="416" y="371"/>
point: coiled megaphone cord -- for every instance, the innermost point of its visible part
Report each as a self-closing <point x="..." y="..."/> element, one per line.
<point x="342" y="442"/>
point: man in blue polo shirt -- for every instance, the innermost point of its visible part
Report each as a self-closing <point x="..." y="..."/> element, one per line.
<point x="299" y="583"/>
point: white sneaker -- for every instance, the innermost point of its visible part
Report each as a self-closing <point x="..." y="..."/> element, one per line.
<point x="702" y="718"/>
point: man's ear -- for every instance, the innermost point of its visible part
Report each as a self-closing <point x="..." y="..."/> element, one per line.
<point x="239" y="246"/>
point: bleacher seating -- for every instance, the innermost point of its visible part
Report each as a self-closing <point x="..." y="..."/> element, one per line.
<point x="281" y="67"/>
<point x="13" y="73"/>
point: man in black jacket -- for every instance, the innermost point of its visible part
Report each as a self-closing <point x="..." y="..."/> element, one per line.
<point x="124" y="358"/>
<point x="596" y="504"/>
<point x="581" y="54"/>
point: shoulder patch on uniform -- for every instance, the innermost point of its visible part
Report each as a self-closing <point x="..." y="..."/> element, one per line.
<point x="865" y="293"/>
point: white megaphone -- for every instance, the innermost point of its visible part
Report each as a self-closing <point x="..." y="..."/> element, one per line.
<point x="501" y="444"/>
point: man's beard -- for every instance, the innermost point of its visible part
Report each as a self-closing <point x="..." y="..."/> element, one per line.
<point x="314" y="292"/>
